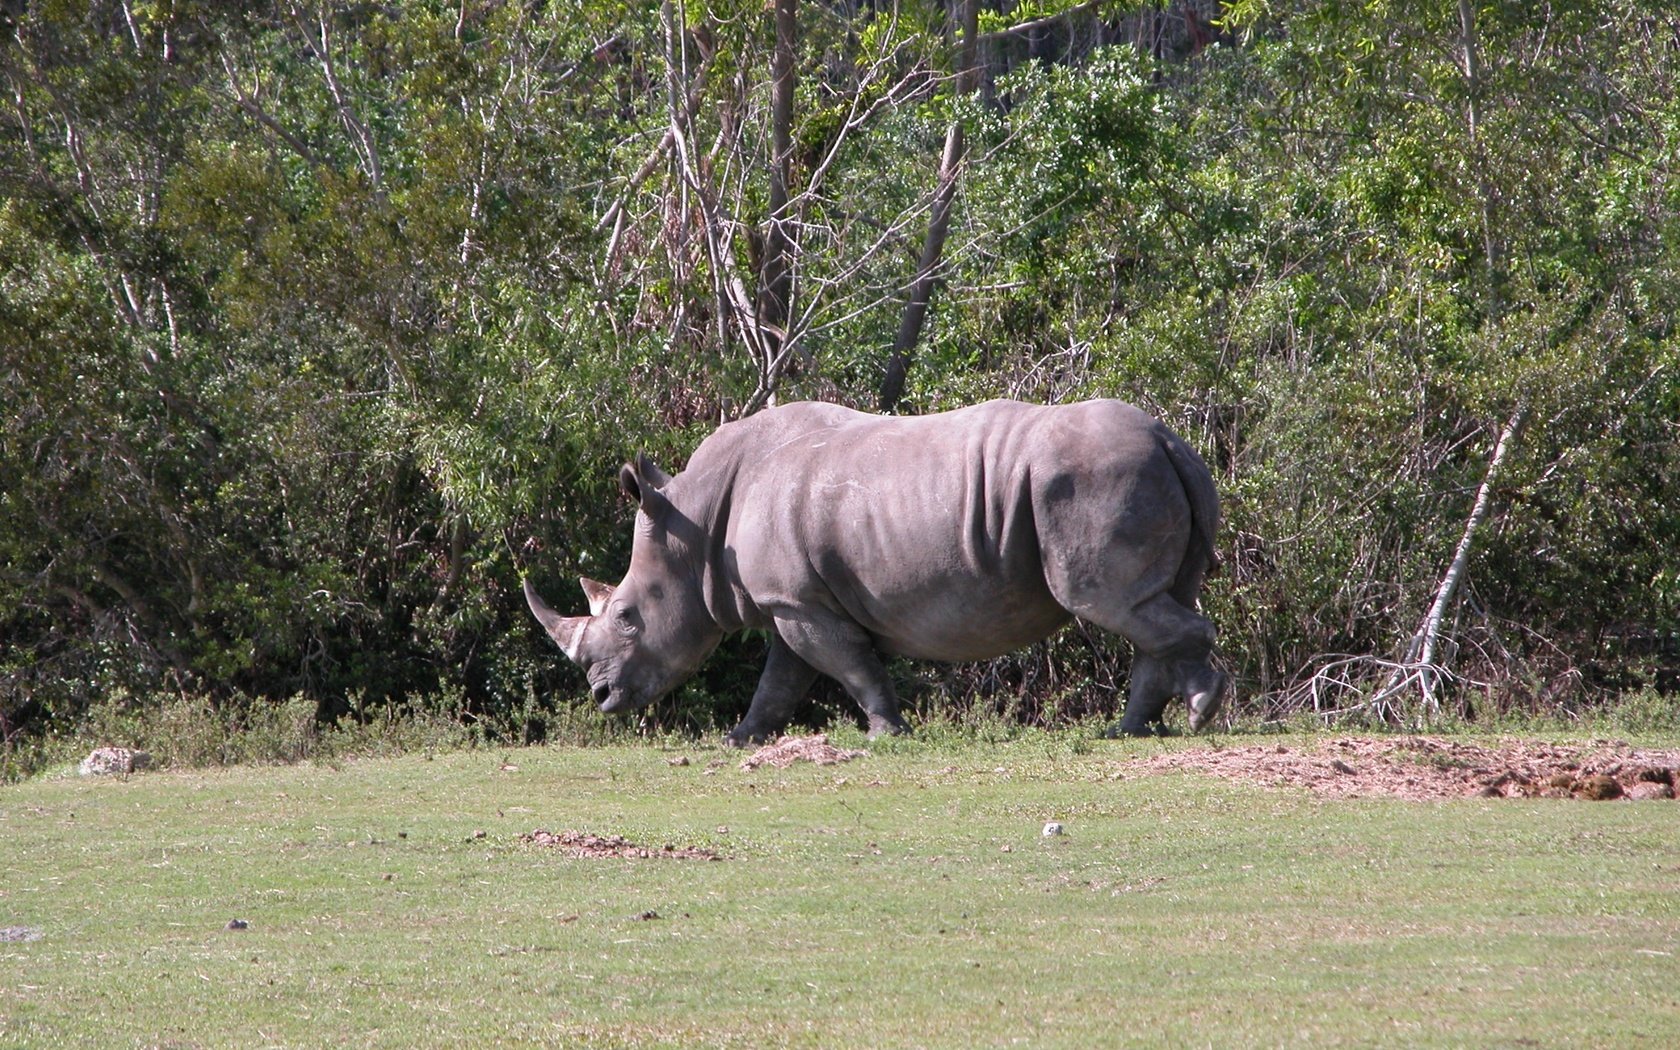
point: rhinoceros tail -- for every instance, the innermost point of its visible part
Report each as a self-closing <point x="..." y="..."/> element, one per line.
<point x="1197" y="480"/>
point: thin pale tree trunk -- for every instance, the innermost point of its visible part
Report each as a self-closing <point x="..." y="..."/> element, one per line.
<point x="776" y="277"/>
<point x="1420" y="665"/>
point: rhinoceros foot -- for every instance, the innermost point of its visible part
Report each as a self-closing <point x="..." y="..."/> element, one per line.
<point x="1119" y="730"/>
<point x="745" y="735"/>
<point x="894" y="726"/>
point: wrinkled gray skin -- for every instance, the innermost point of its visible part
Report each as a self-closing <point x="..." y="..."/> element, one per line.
<point x="959" y="536"/>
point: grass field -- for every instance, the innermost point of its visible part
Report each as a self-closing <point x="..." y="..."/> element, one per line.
<point x="904" y="899"/>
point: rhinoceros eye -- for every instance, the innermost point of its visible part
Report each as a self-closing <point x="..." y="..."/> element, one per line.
<point x="627" y="619"/>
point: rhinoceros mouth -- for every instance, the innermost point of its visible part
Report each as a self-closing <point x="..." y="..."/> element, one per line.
<point x="612" y="699"/>
<point x="609" y="699"/>
<point x="607" y="696"/>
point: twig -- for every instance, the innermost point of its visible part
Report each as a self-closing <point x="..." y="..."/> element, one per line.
<point x="1041" y="23"/>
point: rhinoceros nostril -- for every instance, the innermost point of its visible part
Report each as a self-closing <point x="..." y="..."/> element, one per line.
<point x="601" y="693"/>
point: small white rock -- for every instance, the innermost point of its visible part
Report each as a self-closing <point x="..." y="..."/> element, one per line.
<point x="1052" y="829"/>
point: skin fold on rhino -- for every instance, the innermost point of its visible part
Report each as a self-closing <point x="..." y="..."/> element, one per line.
<point x="956" y="537"/>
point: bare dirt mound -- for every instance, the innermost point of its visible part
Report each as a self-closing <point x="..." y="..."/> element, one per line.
<point x="584" y="845"/>
<point x="790" y="749"/>
<point x="114" y="762"/>
<point x="1426" y="768"/>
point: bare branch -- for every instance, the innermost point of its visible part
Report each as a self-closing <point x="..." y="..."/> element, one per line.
<point x="939" y="220"/>
<point x="250" y="103"/>
<point x="361" y="136"/>
<point x="1419" y="665"/>
<point x="1041" y="23"/>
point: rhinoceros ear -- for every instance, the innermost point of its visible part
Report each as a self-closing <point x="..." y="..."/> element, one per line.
<point x="650" y="471"/>
<point x="599" y="594"/>
<point x="567" y="631"/>
<point x="642" y="480"/>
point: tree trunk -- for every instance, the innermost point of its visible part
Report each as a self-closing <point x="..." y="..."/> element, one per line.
<point x="775" y="284"/>
<point x="1419" y="664"/>
<point x="939" y="220"/>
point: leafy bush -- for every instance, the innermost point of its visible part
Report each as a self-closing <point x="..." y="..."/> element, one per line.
<point x="320" y="335"/>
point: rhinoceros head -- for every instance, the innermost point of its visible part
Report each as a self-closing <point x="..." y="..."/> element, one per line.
<point x="647" y="635"/>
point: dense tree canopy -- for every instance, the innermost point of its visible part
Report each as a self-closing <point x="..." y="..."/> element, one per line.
<point x="321" y="323"/>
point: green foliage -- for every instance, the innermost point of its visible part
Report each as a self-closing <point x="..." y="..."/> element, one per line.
<point x="323" y="326"/>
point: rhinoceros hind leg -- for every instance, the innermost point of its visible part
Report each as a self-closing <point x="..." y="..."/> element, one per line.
<point x="1171" y="646"/>
<point x="784" y="682"/>
<point x="1151" y="688"/>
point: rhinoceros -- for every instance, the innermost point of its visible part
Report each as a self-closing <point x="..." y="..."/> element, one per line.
<point x="957" y="536"/>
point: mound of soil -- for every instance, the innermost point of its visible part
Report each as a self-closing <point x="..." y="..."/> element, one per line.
<point x="114" y="762"/>
<point x="1426" y="768"/>
<point x="584" y="845"/>
<point x="790" y="749"/>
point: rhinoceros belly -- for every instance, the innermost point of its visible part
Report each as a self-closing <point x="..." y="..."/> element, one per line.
<point x="965" y="620"/>
<point x="940" y="568"/>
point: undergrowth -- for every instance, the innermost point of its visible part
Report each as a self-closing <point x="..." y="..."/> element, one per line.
<point x="194" y="732"/>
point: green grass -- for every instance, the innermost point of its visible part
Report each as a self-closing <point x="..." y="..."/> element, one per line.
<point x="904" y="899"/>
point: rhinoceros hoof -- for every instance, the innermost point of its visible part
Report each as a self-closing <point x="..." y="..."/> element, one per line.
<point x="746" y="738"/>
<point x="1118" y="732"/>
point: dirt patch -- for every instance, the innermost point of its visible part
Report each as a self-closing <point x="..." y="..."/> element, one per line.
<point x="114" y="762"/>
<point x="18" y="934"/>
<point x="584" y="845"/>
<point x="1427" y="768"/>
<point x="790" y="749"/>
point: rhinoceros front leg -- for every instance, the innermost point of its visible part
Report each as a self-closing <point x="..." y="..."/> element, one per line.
<point x="785" y="681"/>
<point x="842" y="650"/>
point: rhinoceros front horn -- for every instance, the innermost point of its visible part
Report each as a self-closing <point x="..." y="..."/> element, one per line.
<point x="567" y="631"/>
